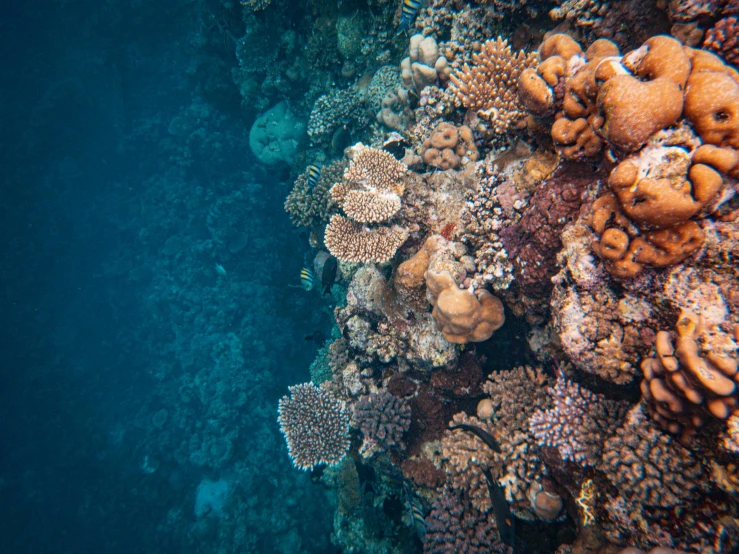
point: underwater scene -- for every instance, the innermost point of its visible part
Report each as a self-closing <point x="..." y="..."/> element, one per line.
<point x="370" y="277"/>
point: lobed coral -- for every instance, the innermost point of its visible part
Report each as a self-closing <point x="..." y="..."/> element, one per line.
<point x="449" y="146"/>
<point x="315" y="425"/>
<point x="463" y="315"/>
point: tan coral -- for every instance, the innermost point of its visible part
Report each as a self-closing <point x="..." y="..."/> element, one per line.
<point x="409" y="279"/>
<point x="376" y="169"/>
<point x="350" y="242"/>
<point x="490" y="86"/>
<point x="448" y="146"/>
<point x="461" y="315"/>
<point x="712" y="106"/>
<point x="690" y="372"/>
<point x="626" y="252"/>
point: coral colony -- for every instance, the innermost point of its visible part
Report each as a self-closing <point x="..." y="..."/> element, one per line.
<point x="563" y="195"/>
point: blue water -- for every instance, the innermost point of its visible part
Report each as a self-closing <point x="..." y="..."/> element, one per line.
<point x="132" y="371"/>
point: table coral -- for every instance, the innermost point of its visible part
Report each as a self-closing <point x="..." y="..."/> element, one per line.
<point x="370" y="194"/>
<point x="315" y="425"/>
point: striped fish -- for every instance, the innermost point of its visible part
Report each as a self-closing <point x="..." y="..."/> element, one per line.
<point x="419" y="522"/>
<point x="314" y="173"/>
<point x="408" y="13"/>
<point x="306" y="279"/>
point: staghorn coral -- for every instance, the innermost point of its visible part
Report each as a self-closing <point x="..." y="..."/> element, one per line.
<point x="578" y="423"/>
<point x="310" y="206"/>
<point x="723" y="39"/>
<point x="489" y="87"/>
<point x="454" y="525"/>
<point x="382" y="418"/>
<point x="649" y="467"/>
<point x="448" y="147"/>
<point x="315" y="425"/>
<point x="462" y="315"/>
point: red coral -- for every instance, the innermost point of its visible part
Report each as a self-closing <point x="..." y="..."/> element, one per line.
<point x="532" y="243"/>
<point x="423" y="473"/>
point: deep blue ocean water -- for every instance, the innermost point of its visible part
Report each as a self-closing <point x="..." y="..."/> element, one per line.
<point x="139" y="385"/>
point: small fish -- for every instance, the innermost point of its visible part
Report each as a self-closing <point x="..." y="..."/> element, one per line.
<point x="220" y="270"/>
<point x="408" y="13"/>
<point x="328" y="274"/>
<point x="316" y="336"/>
<point x="481" y="434"/>
<point x="419" y="522"/>
<point x="314" y="173"/>
<point x="502" y="511"/>
<point x="341" y="139"/>
<point x="306" y="279"/>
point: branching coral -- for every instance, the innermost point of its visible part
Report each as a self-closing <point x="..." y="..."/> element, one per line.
<point x="315" y="425"/>
<point x="723" y="38"/>
<point x="453" y="525"/>
<point x="332" y="110"/>
<point x="489" y="87"/>
<point x="578" y="424"/>
<point x="382" y="418"/>
<point x="310" y="206"/>
<point x="648" y="466"/>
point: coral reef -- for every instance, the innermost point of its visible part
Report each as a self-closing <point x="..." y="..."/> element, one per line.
<point x="315" y="425"/>
<point x="448" y="147"/>
<point x="382" y="418"/>
<point x="489" y="87"/>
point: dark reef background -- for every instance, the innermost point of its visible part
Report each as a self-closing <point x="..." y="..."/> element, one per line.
<point x="138" y="385"/>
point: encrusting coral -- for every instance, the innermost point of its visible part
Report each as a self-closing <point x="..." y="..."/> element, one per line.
<point x="315" y="425"/>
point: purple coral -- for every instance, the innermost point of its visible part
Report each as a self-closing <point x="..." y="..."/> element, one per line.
<point x="454" y="526"/>
<point x="382" y="418"/>
<point x="578" y="424"/>
<point x="315" y="425"/>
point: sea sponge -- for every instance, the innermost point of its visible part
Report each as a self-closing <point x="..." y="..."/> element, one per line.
<point x="463" y="315"/>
